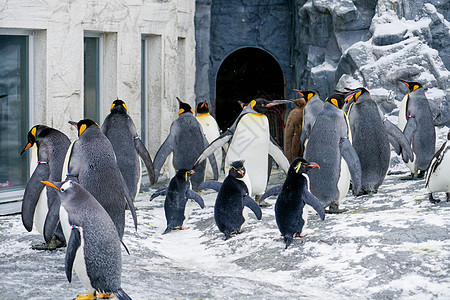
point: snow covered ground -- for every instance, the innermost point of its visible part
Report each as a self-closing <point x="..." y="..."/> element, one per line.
<point x="392" y="245"/>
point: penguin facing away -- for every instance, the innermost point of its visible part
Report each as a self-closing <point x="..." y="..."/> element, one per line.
<point x="438" y="179"/>
<point x="291" y="212"/>
<point x="93" y="247"/>
<point x="312" y="108"/>
<point x="250" y="140"/>
<point x="293" y="131"/>
<point x="231" y="198"/>
<point x="329" y="146"/>
<point x="119" y="128"/>
<point x="212" y="132"/>
<point x="49" y="147"/>
<point x="416" y="122"/>
<point x="91" y="161"/>
<point x="177" y="194"/>
<point x="186" y="141"/>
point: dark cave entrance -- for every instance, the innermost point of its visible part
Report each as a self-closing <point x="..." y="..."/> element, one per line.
<point x="246" y="74"/>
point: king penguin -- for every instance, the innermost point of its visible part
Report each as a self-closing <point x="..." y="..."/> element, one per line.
<point x="371" y="133"/>
<point x="312" y="108"/>
<point x="187" y="141"/>
<point x="93" y="247"/>
<point x="329" y="146"/>
<point x="177" y="194"/>
<point x="438" y="179"/>
<point x="231" y="198"/>
<point x="416" y="122"/>
<point x="119" y="128"/>
<point x="291" y="213"/>
<point x="212" y="132"/>
<point x="49" y="147"/>
<point x="250" y="140"/>
<point x="293" y="131"/>
<point x="92" y="162"/>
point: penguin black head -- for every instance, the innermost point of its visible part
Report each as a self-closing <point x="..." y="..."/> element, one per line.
<point x="261" y="105"/>
<point x="82" y="125"/>
<point x="300" y="165"/>
<point x="118" y="106"/>
<point x="306" y="94"/>
<point x="354" y="94"/>
<point x="38" y="131"/>
<point x="237" y="169"/>
<point x="412" y="85"/>
<point x="184" y="107"/>
<point x="337" y="100"/>
<point x="185" y="174"/>
<point x="202" y="108"/>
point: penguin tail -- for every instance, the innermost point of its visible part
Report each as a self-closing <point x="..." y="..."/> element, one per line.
<point x="121" y="295"/>
<point x="288" y="241"/>
<point x="168" y="229"/>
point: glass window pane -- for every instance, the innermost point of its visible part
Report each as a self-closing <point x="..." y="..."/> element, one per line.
<point x="91" y="78"/>
<point x="13" y="111"/>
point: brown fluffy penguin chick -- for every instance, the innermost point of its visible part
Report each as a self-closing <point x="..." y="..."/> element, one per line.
<point x="293" y="131"/>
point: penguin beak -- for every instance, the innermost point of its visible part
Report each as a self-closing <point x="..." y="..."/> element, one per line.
<point x="298" y="92"/>
<point x="191" y="172"/>
<point x="349" y="97"/>
<point x="278" y="102"/>
<point x="241" y="172"/>
<point x="28" y="146"/>
<point x="74" y="124"/>
<point x="407" y="84"/>
<point x="313" y="165"/>
<point x="50" y="184"/>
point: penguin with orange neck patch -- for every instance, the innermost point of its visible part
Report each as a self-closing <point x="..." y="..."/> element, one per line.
<point x="250" y="140"/>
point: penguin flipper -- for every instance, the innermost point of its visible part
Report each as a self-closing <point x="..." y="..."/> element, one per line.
<point x="121" y="295"/>
<point x="271" y="192"/>
<point x="51" y="221"/>
<point x="129" y="201"/>
<point x="352" y="160"/>
<point x="196" y="197"/>
<point x="250" y="203"/>
<point x="160" y="192"/>
<point x="163" y="151"/>
<point x="32" y="193"/>
<point x="145" y="156"/>
<point x="398" y="140"/>
<point x="213" y="163"/>
<point x="213" y="185"/>
<point x="72" y="247"/>
<point x="312" y="201"/>
<point x="216" y="144"/>
<point x="410" y="128"/>
<point x="277" y="153"/>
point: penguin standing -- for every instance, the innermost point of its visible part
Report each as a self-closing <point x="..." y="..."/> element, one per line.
<point x="438" y="179"/>
<point x="329" y="146"/>
<point x="177" y="194"/>
<point x="91" y="160"/>
<point x="231" y="198"/>
<point x="119" y="128"/>
<point x="416" y="122"/>
<point x="49" y="147"/>
<point x="187" y="141"/>
<point x="370" y="139"/>
<point x="250" y="141"/>
<point x="312" y="108"/>
<point x="93" y="247"/>
<point x="212" y="132"/>
<point x="290" y="211"/>
<point x="293" y="131"/>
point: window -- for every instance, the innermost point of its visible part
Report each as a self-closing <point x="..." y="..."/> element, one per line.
<point x="93" y="61"/>
<point x="15" y="53"/>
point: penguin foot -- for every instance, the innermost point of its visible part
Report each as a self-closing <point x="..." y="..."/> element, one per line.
<point x="89" y="296"/>
<point x="54" y="244"/>
<point x="334" y="209"/>
<point x="180" y="228"/>
<point x="105" y="295"/>
<point x="408" y="177"/>
<point x="432" y="200"/>
<point x="301" y="235"/>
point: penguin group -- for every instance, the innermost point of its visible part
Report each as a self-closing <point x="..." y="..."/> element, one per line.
<point x="331" y="147"/>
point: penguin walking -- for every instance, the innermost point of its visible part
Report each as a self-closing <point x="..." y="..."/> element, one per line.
<point x="438" y="179"/>
<point x="119" y="128"/>
<point x="371" y="133"/>
<point x="92" y="162"/>
<point x="231" y="198"/>
<point x="250" y="141"/>
<point x="177" y="194"/>
<point x="93" y="247"/>
<point x="330" y="147"/>
<point x="186" y="141"/>
<point x="291" y="213"/>
<point x="416" y="122"/>
<point x="312" y="108"/>
<point x="293" y="131"/>
<point x="49" y="147"/>
<point x="212" y="132"/>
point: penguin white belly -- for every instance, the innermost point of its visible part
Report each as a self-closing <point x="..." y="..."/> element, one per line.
<point x="41" y="211"/>
<point x="79" y="263"/>
<point x="188" y="209"/>
<point x="65" y="169"/>
<point x="211" y="132"/>
<point x="402" y="113"/>
<point x="440" y="179"/>
<point x="344" y="179"/>
<point x="305" y="215"/>
<point x="251" y="143"/>
<point x="138" y="187"/>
